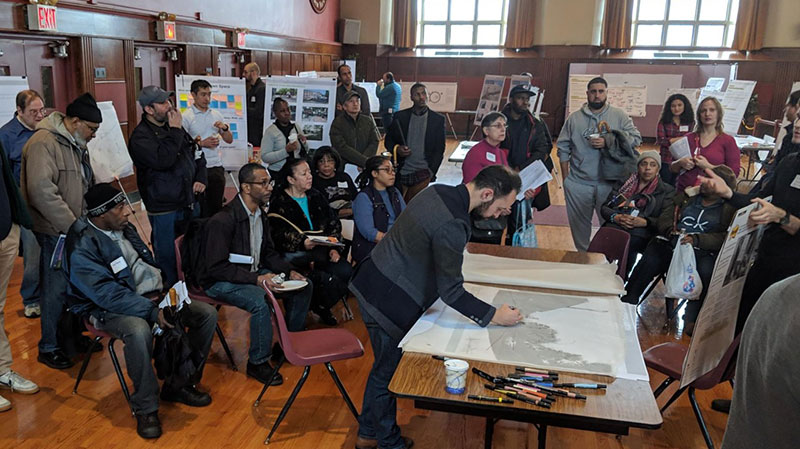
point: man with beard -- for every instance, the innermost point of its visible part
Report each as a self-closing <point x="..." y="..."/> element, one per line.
<point x="170" y="170"/>
<point x="527" y="139"/>
<point x="54" y="177"/>
<point x="417" y="137"/>
<point x="241" y="229"/>
<point x="579" y="145"/>
<point x="418" y="261"/>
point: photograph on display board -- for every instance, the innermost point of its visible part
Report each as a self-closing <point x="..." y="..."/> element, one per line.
<point x="314" y="114"/>
<point x="745" y="248"/>
<point x="320" y="96"/>
<point x="292" y="109"/>
<point x="287" y="93"/>
<point x="313" y="132"/>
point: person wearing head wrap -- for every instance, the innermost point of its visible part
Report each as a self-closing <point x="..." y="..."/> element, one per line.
<point x="55" y="175"/>
<point x="112" y="275"/>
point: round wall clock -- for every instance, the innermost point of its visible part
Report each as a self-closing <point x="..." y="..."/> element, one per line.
<point x="318" y="5"/>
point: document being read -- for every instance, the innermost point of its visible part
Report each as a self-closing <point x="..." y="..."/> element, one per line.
<point x="533" y="176"/>
<point x="680" y="149"/>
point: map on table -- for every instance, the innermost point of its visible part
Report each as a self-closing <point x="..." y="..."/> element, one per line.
<point x="559" y="332"/>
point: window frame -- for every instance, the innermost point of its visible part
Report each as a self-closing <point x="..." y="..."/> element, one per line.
<point x="449" y="23"/>
<point x="729" y="27"/>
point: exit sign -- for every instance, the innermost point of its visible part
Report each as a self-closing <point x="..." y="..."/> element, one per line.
<point x="241" y="39"/>
<point x="165" y="30"/>
<point x="42" y="18"/>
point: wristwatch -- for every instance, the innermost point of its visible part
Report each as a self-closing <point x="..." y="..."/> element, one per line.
<point x="227" y="127"/>
<point x="785" y="219"/>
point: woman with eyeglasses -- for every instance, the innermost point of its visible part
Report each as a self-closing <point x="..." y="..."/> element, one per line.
<point x="297" y="212"/>
<point x="331" y="180"/>
<point x="282" y="139"/>
<point x="377" y="205"/>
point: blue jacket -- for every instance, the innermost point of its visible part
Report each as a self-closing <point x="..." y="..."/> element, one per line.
<point x="389" y="97"/>
<point x="13" y="136"/>
<point x="93" y="287"/>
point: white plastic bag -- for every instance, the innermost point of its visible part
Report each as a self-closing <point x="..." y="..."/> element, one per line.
<point x="683" y="281"/>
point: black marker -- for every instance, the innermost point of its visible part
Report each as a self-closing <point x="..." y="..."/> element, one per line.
<point x="489" y="399"/>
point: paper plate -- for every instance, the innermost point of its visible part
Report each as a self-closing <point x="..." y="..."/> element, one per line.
<point x="289" y="286"/>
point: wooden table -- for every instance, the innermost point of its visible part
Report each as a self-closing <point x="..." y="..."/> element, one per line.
<point x="624" y="404"/>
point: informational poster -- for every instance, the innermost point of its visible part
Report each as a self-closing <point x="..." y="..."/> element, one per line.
<point x="491" y="94"/>
<point x="227" y="97"/>
<point x="108" y="153"/>
<point x="441" y="96"/>
<point x="715" y="84"/>
<point x="10" y="86"/>
<point x="691" y="93"/>
<point x="312" y="102"/>
<point x="734" y="103"/>
<point x="657" y="83"/>
<point x="576" y="91"/>
<point x="631" y="99"/>
<point x="716" y="324"/>
<point x="374" y="103"/>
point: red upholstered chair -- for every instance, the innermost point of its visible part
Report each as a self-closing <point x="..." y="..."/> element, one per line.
<point x="98" y="335"/>
<point x="614" y="244"/>
<point x="667" y="358"/>
<point x="311" y="347"/>
<point x="196" y="294"/>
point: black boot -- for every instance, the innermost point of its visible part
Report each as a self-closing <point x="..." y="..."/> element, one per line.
<point x="148" y="425"/>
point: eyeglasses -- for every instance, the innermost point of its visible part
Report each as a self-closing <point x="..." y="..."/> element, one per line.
<point x="264" y="183"/>
<point x="498" y="126"/>
<point x="388" y="169"/>
<point x="41" y="111"/>
<point x="327" y="160"/>
<point x="93" y="129"/>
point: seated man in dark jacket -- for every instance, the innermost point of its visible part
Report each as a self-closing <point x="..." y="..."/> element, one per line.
<point x="240" y="262"/>
<point x="110" y="272"/>
<point x="703" y="220"/>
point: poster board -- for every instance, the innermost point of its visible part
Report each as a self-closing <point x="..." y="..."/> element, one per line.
<point x="227" y="97"/>
<point x="576" y="91"/>
<point x="374" y="103"/>
<point x="714" y="331"/>
<point x="10" y="86"/>
<point x="657" y="83"/>
<point x="108" y="152"/>
<point x="535" y="101"/>
<point x="631" y="99"/>
<point x="691" y="93"/>
<point x="312" y="102"/>
<point x="491" y="94"/>
<point x="734" y="103"/>
<point x="441" y="96"/>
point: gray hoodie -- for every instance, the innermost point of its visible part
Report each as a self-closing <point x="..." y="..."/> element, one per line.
<point x="573" y="141"/>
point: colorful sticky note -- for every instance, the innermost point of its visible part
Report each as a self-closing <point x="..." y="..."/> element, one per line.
<point x="184" y="97"/>
<point x="231" y="98"/>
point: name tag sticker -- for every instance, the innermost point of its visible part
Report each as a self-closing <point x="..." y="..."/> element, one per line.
<point x="253" y="99"/>
<point x="118" y="265"/>
<point x="198" y="154"/>
<point x="796" y="183"/>
<point x="342" y="184"/>
<point x="491" y="157"/>
<point x="683" y="128"/>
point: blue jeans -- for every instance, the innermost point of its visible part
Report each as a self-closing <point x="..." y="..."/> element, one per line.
<point x="54" y="294"/>
<point x="251" y="298"/>
<point x="30" y="290"/>
<point x="166" y="228"/>
<point x="378" y="419"/>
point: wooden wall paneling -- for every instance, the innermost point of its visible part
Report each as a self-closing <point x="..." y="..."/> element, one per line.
<point x="262" y="58"/>
<point x="215" y="61"/>
<point x="81" y="74"/>
<point x="297" y="64"/>
<point x="787" y="73"/>
<point x="13" y="58"/>
<point x="108" y="54"/>
<point x="427" y="67"/>
<point x="130" y="84"/>
<point x="318" y="62"/>
<point x="286" y="63"/>
<point x="275" y="67"/>
<point x="115" y="91"/>
<point x="198" y="60"/>
<point x="404" y="69"/>
<point x="327" y="63"/>
<point x="308" y="62"/>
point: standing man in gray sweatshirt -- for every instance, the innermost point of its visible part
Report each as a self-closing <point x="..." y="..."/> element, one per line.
<point x="579" y="145"/>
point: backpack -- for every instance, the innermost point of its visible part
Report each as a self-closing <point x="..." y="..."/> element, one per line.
<point x="191" y="249"/>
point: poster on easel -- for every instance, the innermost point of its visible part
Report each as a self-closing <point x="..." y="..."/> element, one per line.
<point x="734" y="104"/>
<point x="10" y="86"/>
<point x="227" y="97"/>
<point x="442" y="96"/>
<point x="691" y="94"/>
<point x="108" y="152"/>
<point x="576" y="92"/>
<point x="491" y="94"/>
<point x="312" y="102"/>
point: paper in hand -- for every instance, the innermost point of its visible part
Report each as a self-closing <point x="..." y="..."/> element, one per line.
<point x="680" y="149"/>
<point x="533" y="176"/>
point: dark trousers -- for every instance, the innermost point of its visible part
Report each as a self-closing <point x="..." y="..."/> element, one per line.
<point x="53" y="299"/>
<point x="655" y="262"/>
<point x="136" y="333"/>
<point x="637" y="245"/>
<point x="666" y="175"/>
<point x="215" y="191"/>
<point x="165" y="228"/>
<point x="763" y="273"/>
<point x="378" y="419"/>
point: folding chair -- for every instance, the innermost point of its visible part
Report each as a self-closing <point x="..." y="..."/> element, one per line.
<point x="614" y="244"/>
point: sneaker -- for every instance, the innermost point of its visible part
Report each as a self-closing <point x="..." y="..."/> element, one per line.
<point x="15" y="382"/>
<point x="263" y="373"/>
<point x="188" y="395"/>
<point x="5" y="404"/>
<point x="148" y="426"/>
<point x="33" y="310"/>
<point x="56" y="359"/>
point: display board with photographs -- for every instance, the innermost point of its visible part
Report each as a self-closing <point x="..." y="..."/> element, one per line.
<point x="491" y="94"/>
<point x="312" y="102"/>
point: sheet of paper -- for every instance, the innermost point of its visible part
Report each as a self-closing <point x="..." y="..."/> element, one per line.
<point x="10" y="86"/>
<point x="680" y="149"/>
<point x="631" y="99"/>
<point x="734" y="103"/>
<point x="533" y="176"/>
<point x="108" y="151"/>
<point x="715" y="84"/>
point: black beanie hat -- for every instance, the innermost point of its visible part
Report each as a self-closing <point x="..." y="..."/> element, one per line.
<point x="85" y="108"/>
<point x="101" y="198"/>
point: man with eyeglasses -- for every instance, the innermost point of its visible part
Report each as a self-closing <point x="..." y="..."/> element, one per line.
<point x="54" y="177"/>
<point x="240" y="262"/>
<point x="13" y="136"/>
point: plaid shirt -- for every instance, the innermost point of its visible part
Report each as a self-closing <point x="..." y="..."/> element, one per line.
<point x="414" y="178"/>
<point x="664" y="133"/>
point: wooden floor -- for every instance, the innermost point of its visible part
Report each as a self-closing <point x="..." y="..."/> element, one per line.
<point x="97" y="417"/>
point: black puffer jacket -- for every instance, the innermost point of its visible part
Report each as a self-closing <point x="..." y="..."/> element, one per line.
<point x="282" y="208"/>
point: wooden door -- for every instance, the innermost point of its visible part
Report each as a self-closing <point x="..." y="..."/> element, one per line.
<point x="46" y="74"/>
<point x="228" y="64"/>
<point x="153" y="68"/>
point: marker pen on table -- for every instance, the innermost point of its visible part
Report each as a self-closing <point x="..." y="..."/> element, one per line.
<point x="579" y="385"/>
<point x="490" y="399"/>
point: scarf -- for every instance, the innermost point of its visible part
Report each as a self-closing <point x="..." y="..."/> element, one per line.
<point x="628" y="189"/>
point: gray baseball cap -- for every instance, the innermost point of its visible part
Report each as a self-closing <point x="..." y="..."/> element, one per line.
<point x="153" y="94"/>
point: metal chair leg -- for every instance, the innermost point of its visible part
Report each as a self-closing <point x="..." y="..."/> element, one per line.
<point x="488" y="434"/>
<point x="673" y="398"/>
<point x="662" y="387"/>
<point x="266" y="385"/>
<point x="118" y="370"/>
<point x="700" y="420"/>
<point x="348" y="313"/>
<point x="339" y="385"/>
<point x="650" y="287"/>
<point x="85" y="364"/>
<point x="224" y="344"/>
<point x="289" y="402"/>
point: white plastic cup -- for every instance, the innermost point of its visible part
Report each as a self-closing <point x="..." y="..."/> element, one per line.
<point x="292" y="138"/>
<point x="456" y="376"/>
<point x="594" y="136"/>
